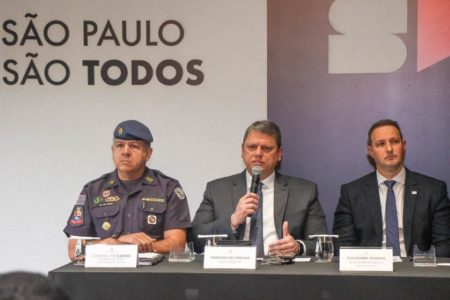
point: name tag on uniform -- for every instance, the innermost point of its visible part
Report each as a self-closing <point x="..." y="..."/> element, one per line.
<point x="111" y="256"/>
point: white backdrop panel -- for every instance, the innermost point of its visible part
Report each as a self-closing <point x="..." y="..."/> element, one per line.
<point x="55" y="138"/>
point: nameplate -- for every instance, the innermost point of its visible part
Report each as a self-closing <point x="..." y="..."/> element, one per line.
<point x="229" y="258"/>
<point x="111" y="256"/>
<point x="365" y="259"/>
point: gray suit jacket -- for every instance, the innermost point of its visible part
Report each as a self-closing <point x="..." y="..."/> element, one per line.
<point x="295" y="201"/>
<point x="426" y="214"/>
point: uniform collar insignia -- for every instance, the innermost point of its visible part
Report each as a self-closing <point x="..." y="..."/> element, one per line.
<point x="149" y="179"/>
<point x="111" y="182"/>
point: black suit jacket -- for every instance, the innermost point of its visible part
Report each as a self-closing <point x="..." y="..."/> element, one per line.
<point x="426" y="214"/>
<point x="295" y="201"/>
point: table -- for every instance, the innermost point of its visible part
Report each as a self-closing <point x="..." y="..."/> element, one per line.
<point x="296" y="281"/>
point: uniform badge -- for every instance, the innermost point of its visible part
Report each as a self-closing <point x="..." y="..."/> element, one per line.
<point x="149" y="179"/>
<point x="106" y="193"/>
<point x="97" y="200"/>
<point x="179" y="192"/>
<point x="111" y="182"/>
<point x="119" y="131"/>
<point x="106" y="225"/>
<point x="81" y="199"/>
<point x="151" y="219"/>
<point x="112" y="199"/>
<point x="77" y="217"/>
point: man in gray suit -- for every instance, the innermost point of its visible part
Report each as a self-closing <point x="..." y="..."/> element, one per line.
<point x="419" y="213"/>
<point x="290" y="208"/>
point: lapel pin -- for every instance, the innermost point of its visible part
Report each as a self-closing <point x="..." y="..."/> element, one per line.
<point x="414" y="193"/>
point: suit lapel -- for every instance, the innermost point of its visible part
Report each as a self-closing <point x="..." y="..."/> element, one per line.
<point x="409" y="205"/>
<point x="280" y="201"/>
<point x="239" y="189"/>
<point x="373" y="197"/>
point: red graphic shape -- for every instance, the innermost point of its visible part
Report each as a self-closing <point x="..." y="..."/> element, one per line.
<point x="433" y="32"/>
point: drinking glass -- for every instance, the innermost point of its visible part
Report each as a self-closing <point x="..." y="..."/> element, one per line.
<point x="179" y="254"/>
<point x="80" y="248"/>
<point x="324" y="247"/>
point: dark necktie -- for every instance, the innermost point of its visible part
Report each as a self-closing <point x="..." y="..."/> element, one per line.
<point x="256" y="227"/>
<point x="392" y="236"/>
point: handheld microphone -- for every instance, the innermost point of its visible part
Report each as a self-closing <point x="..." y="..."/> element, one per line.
<point x="256" y="178"/>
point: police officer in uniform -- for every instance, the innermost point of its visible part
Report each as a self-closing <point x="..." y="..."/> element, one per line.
<point x="133" y="204"/>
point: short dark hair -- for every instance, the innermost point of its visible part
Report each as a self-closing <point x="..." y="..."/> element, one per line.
<point x="25" y="285"/>
<point x="266" y="127"/>
<point x="381" y="123"/>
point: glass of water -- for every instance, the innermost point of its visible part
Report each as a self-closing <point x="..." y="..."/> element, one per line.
<point x="80" y="248"/>
<point x="324" y="247"/>
<point x="180" y="254"/>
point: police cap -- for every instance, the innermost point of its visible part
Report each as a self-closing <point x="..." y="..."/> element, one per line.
<point x="133" y="130"/>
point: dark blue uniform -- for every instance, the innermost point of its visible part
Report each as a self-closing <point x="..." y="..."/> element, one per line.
<point x="108" y="207"/>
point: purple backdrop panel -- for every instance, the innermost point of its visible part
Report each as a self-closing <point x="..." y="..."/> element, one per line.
<point x="325" y="115"/>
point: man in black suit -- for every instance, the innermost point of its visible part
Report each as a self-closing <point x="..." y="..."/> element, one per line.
<point x="290" y="211"/>
<point x="393" y="206"/>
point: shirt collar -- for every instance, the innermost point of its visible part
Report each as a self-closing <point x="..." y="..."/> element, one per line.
<point x="268" y="182"/>
<point x="148" y="177"/>
<point x="400" y="177"/>
<point x="113" y="180"/>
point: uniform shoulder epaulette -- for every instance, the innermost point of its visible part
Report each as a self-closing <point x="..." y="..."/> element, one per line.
<point x="161" y="174"/>
<point x="97" y="179"/>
